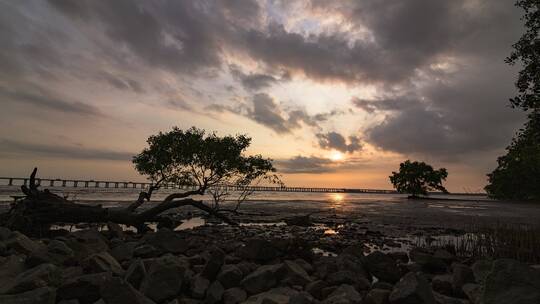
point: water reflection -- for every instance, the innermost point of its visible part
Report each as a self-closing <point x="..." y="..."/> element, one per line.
<point x="337" y="199"/>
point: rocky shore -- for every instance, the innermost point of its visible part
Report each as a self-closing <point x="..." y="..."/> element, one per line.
<point x="249" y="264"/>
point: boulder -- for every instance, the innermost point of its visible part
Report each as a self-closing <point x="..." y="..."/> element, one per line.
<point x="166" y="240"/>
<point x="56" y="252"/>
<point x="473" y="292"/>
<point x="382" y="285"/>
<point x="234" y="295"/>
<point x="383" y="267"/>
<point x="135" y="273"/>
<point x="115" y="231"/>
<point x="263" y="278"/>
<point x="11" y="267"/>
<point x="427" y="261"/>
<point x="295" y="274"/>
<point x="37" y="277"/>
<point x="442" y="299"/>
<point x="315" y="288"/>
<point x="199" y="285"/>
<point x="214" y="263"/>
<point x="461" y="275"/>
<point x="481" y="269"/>
<point x="348" y="277"/>
<point x="43" y="295"/>
<point x="230" y="276"/>
<point x="413" y="288"/>
<point x="281" y="295"/>
<point x="377" y="296"/>
<point x="344" y="294"/>
<point x="118" y="291"/>
<point x="442" y="283"/>
<point x="258" y="250"/>
<point x="22" y="244"/>
<point x="102" y="262"/>
<point x="87" y="242"/>
<point x="123" y="251"/>
<point x="301" y="298"/>
<point x="307" y="266"/>
<point x="511" y="282"/>
<point x="84" y="288"/>
<point x="164" y="278"/>
<point x="214" y="293"/>
<point x="4" y="233"/>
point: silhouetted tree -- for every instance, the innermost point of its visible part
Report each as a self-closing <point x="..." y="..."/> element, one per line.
<point x="527" y="52"/>
<point x="417" y="178"/>
<point x="517" y="175"/>
<point x="183" y="157"/>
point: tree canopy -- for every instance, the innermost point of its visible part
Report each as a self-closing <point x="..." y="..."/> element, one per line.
<point x="192" y="157"/>
<point x="527" y="52"/>
<point x="417" y="178"/>
<point x="517" y="175"/>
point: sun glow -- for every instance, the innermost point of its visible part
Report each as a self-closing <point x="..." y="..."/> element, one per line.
<point x="336" y="156"/>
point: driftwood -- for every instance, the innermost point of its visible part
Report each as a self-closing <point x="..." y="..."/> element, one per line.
<point x="40" y="209"/>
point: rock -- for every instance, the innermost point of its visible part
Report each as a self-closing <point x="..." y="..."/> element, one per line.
<point x="315" y="288"/>
<point x="307" y="266"/>
<point x="167" y="241"/>
<point x="230" y="276"/>
<point x="443" y="284"/>
<point x="348" y="277"/>
<point x="123" y="251"/>
<point x="399" y="256"/>
<point x="44" y="295"/>
<point x="382" y="285"/>
<point x="481" y="269"/>
<point x="22" y="244"/>
<point x="511" y="282"/>
<point x="295" y="274"/>
<point x="37" y="277"/>
<point x="344" y="294"/>
<point x="73" y="301"/>
<point x="199" y="285"/>
<point x="164" y="278"/>
<point x="146" y="251"/>
<point x="413" y="288"/>
<point x="102" y="262"/>
<point x="135" y="273"/>
<point x="444" y="255"/>
<point x="258" y="250"/>
<point x="118" y="291"/>
<point x="85" y="288"/>
<point x="461" y="275"/>
<point x="473" y="292"/>
<point x="383" y="267"/>
<point x="11" y="267"/>
<point x="56" y="252"/>
<point x="4" y="233"/>
<point x="263" y="278"/>
<point x="214" y="263"/>
<point x="429" y="262"/>
<point x="301" y="298"/>
<point x="281" y="295"/>
<point x="214" y="293"/>
<point x="442" y="299"/>
<point x="87" y="242"/>
<point x="356" y="251"/>
<point x="234" y="295"/>
<point x="115" y="230"/>
<point x="377" y="296"/>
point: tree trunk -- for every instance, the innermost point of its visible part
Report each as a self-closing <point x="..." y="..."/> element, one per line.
<point x="39" y="210"/>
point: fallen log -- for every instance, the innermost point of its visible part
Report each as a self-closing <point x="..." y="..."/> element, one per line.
<point x="39" y="209"/>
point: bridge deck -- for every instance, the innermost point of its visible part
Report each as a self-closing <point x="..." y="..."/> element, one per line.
<point x="45" y="182"/>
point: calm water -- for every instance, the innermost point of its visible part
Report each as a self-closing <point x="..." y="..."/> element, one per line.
<point x="120" y="195"/>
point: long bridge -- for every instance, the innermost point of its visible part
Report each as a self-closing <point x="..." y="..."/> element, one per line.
<point x="75" y="183"/>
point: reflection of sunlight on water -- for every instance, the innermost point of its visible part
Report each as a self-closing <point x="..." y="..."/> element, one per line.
<point x="337" y="198"/>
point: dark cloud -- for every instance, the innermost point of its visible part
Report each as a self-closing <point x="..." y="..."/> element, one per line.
<point x="303" y="164"/>
<point x="253" y="81"/>
<point x="382" y="104"/>
<point x="336" y="141"/>
<point x="43" y="99"/>
<point x="122" y="83"/>
<point x="263" y="109"/>
<point x="16" y="148"/>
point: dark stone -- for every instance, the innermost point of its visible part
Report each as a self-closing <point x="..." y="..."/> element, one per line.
<point x="383" y="267"/>
<point x="164" y="278"/>
<point x="214" y="263"/>
<point x="295" y="274"/>
<point x="461" y="275"/>
<point x="123" y="251"/>
<point x="413" y="288"/>
<point x="511" y="282"/>
<point x="230" y="276"/>
<point x="429" y="262"/>
<point x="315" y="289"/>
<point x="118" y="291"/>
<point x="262" y="279"/>
<point x="102" y="262"/>
<point x="214" y="293"/>
<point x="344" y="294"/>
<point x="258" y="250"/>
<point x="37" y="277"/>
<point x="44" y="295"/>
<point x="377" y="296"/>
<point x="443" y="284"/>
<point x="166" y="240"/>
<point x="234" y="295"/>
<point x="85" y="288"/>
<point x="135" y="273"/>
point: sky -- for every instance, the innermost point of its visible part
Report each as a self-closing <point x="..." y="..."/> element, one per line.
<point x="337" y="93"/>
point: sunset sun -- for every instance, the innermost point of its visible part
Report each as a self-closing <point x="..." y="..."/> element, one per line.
<point x="336" y="156"/>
